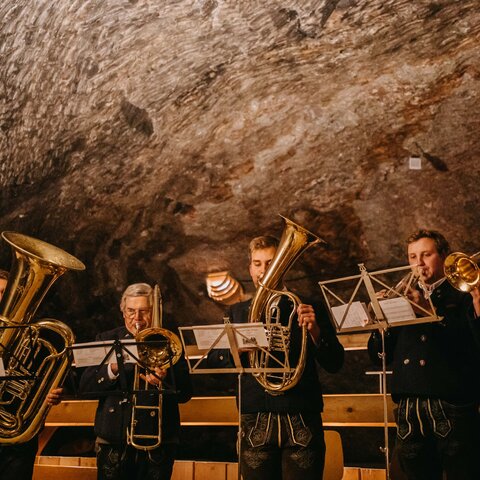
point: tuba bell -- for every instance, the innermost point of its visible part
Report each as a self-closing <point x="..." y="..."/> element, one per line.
<point x="158" y="348"/>
<point x="34" y="354"/>
<point x="294" y="241"/>
<point x="462" y="271"/>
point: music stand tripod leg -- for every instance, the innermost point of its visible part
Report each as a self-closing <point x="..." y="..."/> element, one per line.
<point x="385" y="449"/>
<point x="239" y="434"/>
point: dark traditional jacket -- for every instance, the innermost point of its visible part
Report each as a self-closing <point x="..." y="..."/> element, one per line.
<point x="306" y="396"/>
<point x="114" y="408"/>
<point x="436" y="360"/>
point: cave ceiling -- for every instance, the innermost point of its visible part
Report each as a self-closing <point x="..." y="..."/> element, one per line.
<point x="152" y="139"/>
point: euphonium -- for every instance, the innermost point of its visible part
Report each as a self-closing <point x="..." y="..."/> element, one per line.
<point x="160" y="348"/>
<point x="462" y="271"/>
<point x="34" y="354"/>
<point x="294" y="241"/>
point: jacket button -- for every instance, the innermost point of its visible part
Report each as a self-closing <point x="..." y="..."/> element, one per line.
<point x="406" y="361"/>
<point x="423" y="338"/>
<point x="422" y="363"/>
<point x="100" y="380"/>
<point x="221" y="357"/>
<point x="111" y="410"/>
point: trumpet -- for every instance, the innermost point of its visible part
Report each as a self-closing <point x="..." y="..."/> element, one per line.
<point x="462" y="271"/>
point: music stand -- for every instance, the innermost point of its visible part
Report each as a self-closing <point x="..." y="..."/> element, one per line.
<point x="228" y="335"/>
<point x="394" y="310"/>
<point x="97" y="354"/>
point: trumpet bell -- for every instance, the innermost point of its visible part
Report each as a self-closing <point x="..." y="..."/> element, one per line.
<point x="462" y="271"/>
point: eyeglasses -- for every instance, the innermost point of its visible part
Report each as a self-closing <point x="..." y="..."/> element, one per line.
<point x="142" y="312"/>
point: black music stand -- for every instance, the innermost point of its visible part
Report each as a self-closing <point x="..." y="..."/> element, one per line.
<point x="355" y="316"/>
<point x="97" y="354"/>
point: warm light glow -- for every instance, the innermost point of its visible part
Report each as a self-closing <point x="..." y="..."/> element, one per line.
<point x="223" y="288"/>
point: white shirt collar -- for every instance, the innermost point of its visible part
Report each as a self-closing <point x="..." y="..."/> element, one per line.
<point x="428" y="289"/>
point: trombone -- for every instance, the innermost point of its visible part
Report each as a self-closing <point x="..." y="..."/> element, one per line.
<point x="162" y="349"/>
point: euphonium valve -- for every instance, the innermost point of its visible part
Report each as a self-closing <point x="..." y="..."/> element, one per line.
<point x="462" y="271"/>
<point x="34" y="354"/>
<point x="264" y="308"/>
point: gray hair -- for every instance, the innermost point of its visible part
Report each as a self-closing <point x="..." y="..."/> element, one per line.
<point x="136" y="290"/>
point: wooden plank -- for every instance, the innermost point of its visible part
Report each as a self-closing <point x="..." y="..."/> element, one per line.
<point x="351" y="473"/>
<point x="210" y="471"/>
<point x="348" y="410"/>
<point x="232" y="471"/>
<point x="183" y="470"/>
<point x="72" y="412"/>
<point x="209" y="411"/>
<point x="45" y="436"/>
<point x="69" y="461"/>
<point x="359" y="410"/>
<point x="66" y="461"/>
<point x="61" y="472"/>
<point x="372" y="474"/>
<point x="333" y="456"/>
<point x="44" y="460"/>
<point x="88" y="462"/>
<point x="50" y="468"/>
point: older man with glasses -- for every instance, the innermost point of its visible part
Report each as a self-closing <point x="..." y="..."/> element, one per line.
<point x="116" y="459"/>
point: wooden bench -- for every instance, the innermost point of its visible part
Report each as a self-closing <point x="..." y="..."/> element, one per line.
<point x="360" y="410"/>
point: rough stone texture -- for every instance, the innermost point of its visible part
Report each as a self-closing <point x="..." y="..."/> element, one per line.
<point x="154" y="139"/>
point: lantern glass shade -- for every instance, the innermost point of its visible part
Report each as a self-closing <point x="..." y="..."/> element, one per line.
<point x="224" y="288"/>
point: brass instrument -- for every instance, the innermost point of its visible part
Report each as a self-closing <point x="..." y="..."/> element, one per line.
<point x="160" y="348"/>
<point x="34" y="354"/>
<point x="294" y="241"/>
<point x="409" y="281"/>
<point x="462" y="271"/>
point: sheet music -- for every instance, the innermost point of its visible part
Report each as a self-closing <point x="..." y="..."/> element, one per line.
<point x="357" y="315"/>
<point x="397" y="309"/>
<point x="394" y="311"/>
<point x="92" y="353"/>
<point x="246" y="334"/>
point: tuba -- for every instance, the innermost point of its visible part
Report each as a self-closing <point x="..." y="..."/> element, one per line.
<point x="160" y="348"/>
<point x="34" y="354"/>
<point x="294" y="241"/>
<point x="462" y="271"/>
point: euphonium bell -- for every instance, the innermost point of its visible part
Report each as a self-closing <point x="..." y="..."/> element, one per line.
<point x="462" y="271"/>
<point x="34" y="355"/>
<point x="294" y="241"/>
<point x="158" y="348"/>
